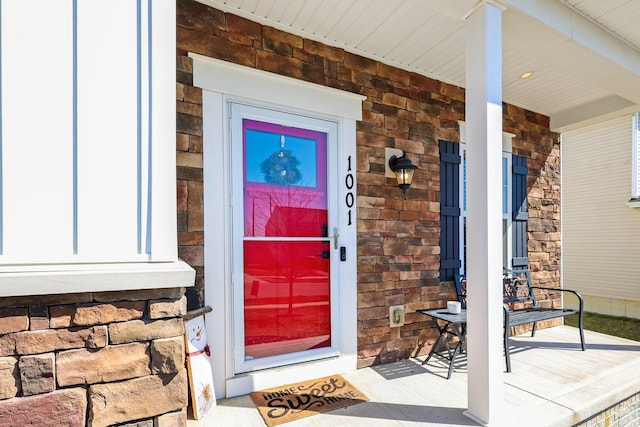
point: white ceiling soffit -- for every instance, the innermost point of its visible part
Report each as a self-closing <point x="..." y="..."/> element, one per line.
<point x="424" y="36"/>
<point x="583" y="52"/>
<point x="582" y="49"/>
<point x="619" y="17"/>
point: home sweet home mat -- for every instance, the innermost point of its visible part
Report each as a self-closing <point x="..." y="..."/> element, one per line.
<point x="280" y="405"/>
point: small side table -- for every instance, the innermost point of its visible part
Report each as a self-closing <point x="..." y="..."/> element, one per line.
<point x="456" y="326"/>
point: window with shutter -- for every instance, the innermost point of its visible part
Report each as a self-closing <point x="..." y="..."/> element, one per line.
<point x="450" y="259"/>
<point x="453" y="208"/>
<point x="520" y="258"/>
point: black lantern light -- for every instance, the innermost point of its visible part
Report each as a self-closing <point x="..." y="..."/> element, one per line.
<point x="403" y="169"/>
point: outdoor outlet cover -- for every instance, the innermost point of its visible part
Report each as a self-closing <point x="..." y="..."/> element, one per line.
<point x="396" y="315"/>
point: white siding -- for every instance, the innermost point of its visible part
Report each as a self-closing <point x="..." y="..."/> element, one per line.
<point x="635" y="160"/>
<point x="36" y="140"/>
<point x="87" y="131"/>
<point x="107" y="126"/>
<point x="601" y="248"/>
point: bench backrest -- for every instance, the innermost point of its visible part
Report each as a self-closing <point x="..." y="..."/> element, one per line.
<point x="461" y="289"/>
<point x="516" y="288"/>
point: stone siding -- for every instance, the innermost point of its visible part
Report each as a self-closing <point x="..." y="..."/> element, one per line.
<point x="622" y="414"/>
<point x="398" y="240"/>
<point x="93" y="359"/>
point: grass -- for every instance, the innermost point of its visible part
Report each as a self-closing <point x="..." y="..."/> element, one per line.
<point x="622" y="327"/>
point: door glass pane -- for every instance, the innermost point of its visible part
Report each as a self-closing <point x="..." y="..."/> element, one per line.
<point x="286" y="288"/>
<point x="286" y="245"/>
<point x="285" y="181"/>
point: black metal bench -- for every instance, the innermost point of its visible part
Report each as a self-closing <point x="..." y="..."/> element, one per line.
<point x="521" y="306"/>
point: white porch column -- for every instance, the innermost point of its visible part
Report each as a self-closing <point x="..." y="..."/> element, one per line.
<point x="484" y="217"/>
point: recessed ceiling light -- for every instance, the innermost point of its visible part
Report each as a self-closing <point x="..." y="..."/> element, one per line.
<point x="526" y="75"/>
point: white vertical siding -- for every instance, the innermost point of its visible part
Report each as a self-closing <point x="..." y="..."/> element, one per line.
<point x="161" y="235"/>
<point x="107" y="117"/>
<point x="37" y="141"/>
<point x="87" y="121"/>
<point x="601" y="247"/>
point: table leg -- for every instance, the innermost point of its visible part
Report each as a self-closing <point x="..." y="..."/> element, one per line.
<point x="453" y="358"/>
<point x="458" y="331"/>
<point x="437" y="343"/>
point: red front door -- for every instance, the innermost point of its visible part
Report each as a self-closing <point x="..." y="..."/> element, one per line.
<point x="286" y="246"/>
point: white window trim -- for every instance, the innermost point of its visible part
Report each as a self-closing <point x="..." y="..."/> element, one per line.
<point x="508" y="215"/>
<point x="507" y="151"/>
<point x="634" y="202"/>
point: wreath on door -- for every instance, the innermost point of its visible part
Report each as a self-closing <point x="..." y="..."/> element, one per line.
<point x="281" y="167"/>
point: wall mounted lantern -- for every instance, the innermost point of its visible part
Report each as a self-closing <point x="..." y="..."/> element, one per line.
<point x="403" y="170"/>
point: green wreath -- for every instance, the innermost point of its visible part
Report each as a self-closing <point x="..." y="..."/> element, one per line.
<point x="281" y="168"/>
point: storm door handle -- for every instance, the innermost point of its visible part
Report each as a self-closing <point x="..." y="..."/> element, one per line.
<point x="335" y="237"/>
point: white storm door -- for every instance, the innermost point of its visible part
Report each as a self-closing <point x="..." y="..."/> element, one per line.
<point x="284" y="237"/>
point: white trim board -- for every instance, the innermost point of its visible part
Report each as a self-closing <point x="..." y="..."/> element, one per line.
<point x="220" y="76"/>
<point x="75" y="278"/>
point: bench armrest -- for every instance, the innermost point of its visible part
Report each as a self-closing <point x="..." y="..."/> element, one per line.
<point x="580" y="300"/>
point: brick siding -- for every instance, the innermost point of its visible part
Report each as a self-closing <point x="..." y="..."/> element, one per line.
<point x="398" y="240"/>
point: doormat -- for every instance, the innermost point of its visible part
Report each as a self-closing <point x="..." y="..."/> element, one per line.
<point x="280" y="405"/>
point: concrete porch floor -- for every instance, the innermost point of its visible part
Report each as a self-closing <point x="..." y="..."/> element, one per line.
<point x="552" y="383"/>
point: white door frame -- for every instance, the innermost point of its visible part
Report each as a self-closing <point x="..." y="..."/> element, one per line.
<point x="219" y="81"/>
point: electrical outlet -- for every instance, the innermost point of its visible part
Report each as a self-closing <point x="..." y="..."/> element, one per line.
<point x="396" y="315"/>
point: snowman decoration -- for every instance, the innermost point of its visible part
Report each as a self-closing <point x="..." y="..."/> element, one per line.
<point x="203" y="397"/>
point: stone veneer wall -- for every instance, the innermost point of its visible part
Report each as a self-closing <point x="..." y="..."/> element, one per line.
<point x="398" y="240"/>
<point x="622" y="414"/>
<point x="94" y="359"/>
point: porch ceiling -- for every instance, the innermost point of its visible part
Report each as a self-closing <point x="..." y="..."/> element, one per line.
<point x="585" y="54"/>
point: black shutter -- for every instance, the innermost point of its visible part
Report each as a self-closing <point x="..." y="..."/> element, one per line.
<point x="449" y="210"/>
<point x="520" y="215"/>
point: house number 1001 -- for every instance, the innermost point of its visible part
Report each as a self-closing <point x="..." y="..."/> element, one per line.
<point x="348" y="182"/>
